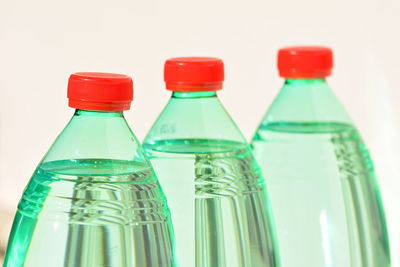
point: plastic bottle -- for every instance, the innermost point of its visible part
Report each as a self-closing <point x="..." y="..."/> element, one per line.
<point x="94" y="200"/>
<point x="324" y="195"/>
<point x="216" y="193"/>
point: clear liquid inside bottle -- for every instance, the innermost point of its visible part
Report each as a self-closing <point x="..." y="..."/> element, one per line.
<point x="321" y="181"/>
<point x="106" y="211"/>
<point x="215" y="190"/>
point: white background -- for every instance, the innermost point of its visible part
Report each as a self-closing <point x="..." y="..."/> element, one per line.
<point x="42" y="42"/>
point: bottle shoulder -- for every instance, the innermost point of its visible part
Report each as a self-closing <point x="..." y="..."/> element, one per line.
<point x="194" y="119"/>
<point x="315" y="103"/>
<point x="87" y="137"/>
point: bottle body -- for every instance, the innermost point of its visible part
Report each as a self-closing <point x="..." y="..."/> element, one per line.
<point x="215" y="190"/>
<point x="93" y="201"/>
<point x="323" y="191"/>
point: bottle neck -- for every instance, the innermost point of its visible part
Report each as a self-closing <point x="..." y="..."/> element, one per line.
<point x="305" y="82"/>
<point x="189" y="95"/>
<point x="96" y="113"/>
<point x="305" y="88"/>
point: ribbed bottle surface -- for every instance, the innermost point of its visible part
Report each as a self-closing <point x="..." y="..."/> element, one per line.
<point x="91" y="212"/>
<point x="323" y="193"/>
<point x="218" y="202"/>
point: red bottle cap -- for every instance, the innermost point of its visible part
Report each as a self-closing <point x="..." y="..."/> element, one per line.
<point x="305" y="62"/>
<point x="100" y="91"/>
<point x="194" y="74"/>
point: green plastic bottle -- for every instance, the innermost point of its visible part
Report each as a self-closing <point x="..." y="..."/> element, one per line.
<point x="215" y="190"/>
<point x="94" y="200"/>
<point x="324" y="195"/>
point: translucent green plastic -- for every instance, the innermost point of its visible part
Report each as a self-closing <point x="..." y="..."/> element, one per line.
<point x="93" y="201"/>
<point x="215" y="190"/>
<point x="321" y="182"/>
